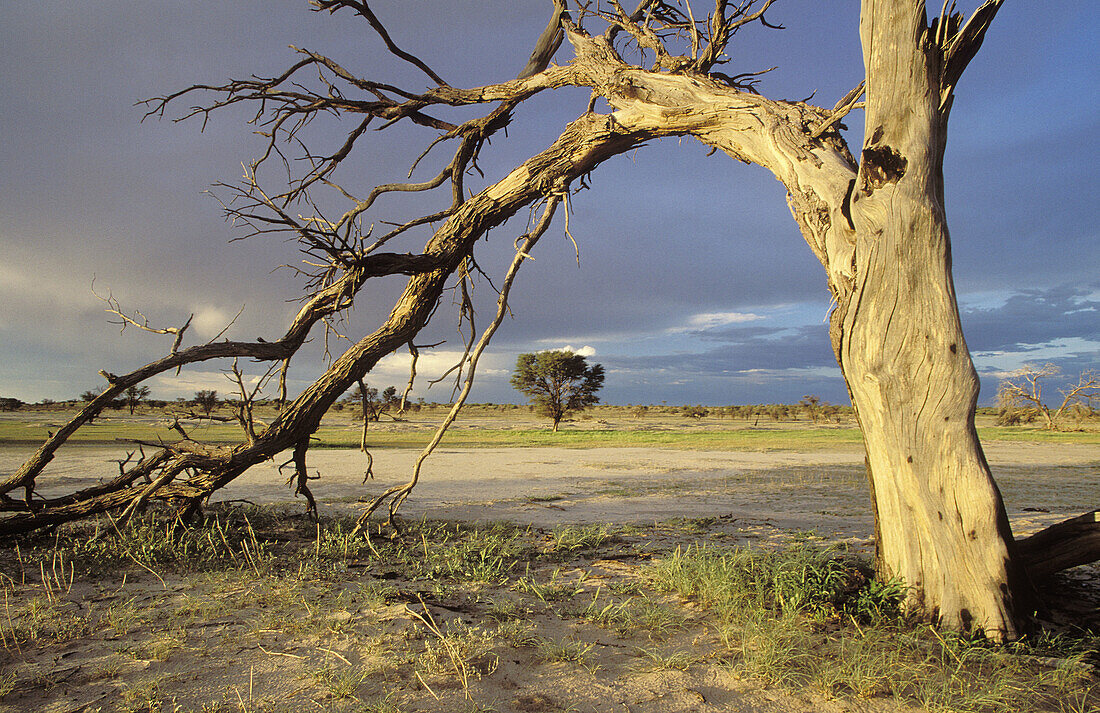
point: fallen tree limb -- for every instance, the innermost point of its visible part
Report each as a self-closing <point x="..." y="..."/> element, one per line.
<point x="1063" y="545"/>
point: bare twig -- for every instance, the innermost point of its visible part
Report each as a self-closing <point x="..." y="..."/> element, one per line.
<point x="398" y="494"/>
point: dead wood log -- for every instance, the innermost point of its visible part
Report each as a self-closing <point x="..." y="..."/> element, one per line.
<point x="1066" y="544"/>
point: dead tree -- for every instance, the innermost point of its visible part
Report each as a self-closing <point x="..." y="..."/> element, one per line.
<point x="1024" y="388"/>
<point x="876" y="223"/>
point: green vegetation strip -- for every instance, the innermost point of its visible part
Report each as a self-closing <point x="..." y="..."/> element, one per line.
<point x="695" y="440"/>
<point x="108" y="432"/>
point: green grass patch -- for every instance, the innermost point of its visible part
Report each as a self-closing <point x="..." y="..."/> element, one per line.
<point x="752" y="440"/>
<point x="112" y="428"/>
<point x="109" y="430"/>
<point x="1037" y="435"/>
<point x="813" y="618"/>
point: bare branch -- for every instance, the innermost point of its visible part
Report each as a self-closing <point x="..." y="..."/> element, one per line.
<point x="849" y="102"/>
<point x="361" y="7"/>
<point x="397" y="494"/>
<point x="959" y="47"/>
<point x="547" y="43"/>
<point x="126" y="320"/>
<point x="1066" y="544"/>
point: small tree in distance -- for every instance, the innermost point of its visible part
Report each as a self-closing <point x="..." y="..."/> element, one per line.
<point x="557" y="382"/>
<point x="812" y="406"/>
<point x="207" y="400"/>
<point x="134" y="395"/>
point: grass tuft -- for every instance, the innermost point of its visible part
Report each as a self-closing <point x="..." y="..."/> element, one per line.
<point x="814" y="618"/>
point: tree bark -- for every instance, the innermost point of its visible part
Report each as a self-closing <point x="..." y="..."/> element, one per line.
<point x="1067" y="544"/>
<point x="880" y="231"/>
<point x="940" y="521"/>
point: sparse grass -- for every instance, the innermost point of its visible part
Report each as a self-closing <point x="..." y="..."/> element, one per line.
<point x="155" y="544"/>
<point x="557" y="589"/>
<point x="631" y="616"/>
<point x="458" y="648"/>
<point x="506" y="610"/>
<point x="655" y="660"/>
<point x="341" y="681"/>
<point x="545" y="498"/>
<point x="568" y="539"/>
<point x="517" y="633"/>
<point x="160" y="646"/>
<point x="143" y="697"/>
<point x="386" y="704"/>
<point x="566" y="650"/>
<point x="805" y="618"/>
<point x="8" y="680"/>
<point x="123" y="617"/>
<point x="811" y="618"/>
<point x="821" y="583"/>
<point x="39" y="620"/>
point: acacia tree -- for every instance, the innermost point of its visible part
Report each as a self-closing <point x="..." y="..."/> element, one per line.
<point x="206" y="399"/>
<point x="812" y="405"/>
<point x="874" y="220"/>
<point x="557" y="382"/>
<point x="134" y="395"/>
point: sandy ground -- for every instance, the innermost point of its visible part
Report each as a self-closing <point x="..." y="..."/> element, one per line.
<point x="212" y="662"/>
<point x="822" y="491"/>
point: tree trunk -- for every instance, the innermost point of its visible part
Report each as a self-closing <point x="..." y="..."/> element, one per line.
<point x="880" y="232"/>
<point x="939" y="519"/>
<point x="940" y="522"/>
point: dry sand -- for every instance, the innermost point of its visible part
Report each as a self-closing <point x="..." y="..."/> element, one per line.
<point x="822" y="491"/>
<point x="216" y="665"/>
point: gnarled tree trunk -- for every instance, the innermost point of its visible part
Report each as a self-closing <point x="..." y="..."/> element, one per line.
<point x="940" y="522"/>
<point x="880" y="232"/>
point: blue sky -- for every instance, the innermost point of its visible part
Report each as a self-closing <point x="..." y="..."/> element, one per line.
<point x="693" y="286"/>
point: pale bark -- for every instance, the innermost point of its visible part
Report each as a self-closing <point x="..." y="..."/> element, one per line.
<point x="1067" y="544"/>
<point x="940" y="522"/>
<point x="882" y="237"/>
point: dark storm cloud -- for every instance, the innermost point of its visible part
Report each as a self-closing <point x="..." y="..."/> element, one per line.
<point x="743" y="349"/>
<point x="665" y="234"/>
<point x="1031" y="318"/>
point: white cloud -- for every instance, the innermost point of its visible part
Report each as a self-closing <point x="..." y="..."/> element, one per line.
<point x="393" y="370"/>
<point x="209" y="321"/>
<point x="1002" y="363"/>
<point x="585" y="351"/>
<point x="710" y="320"/>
